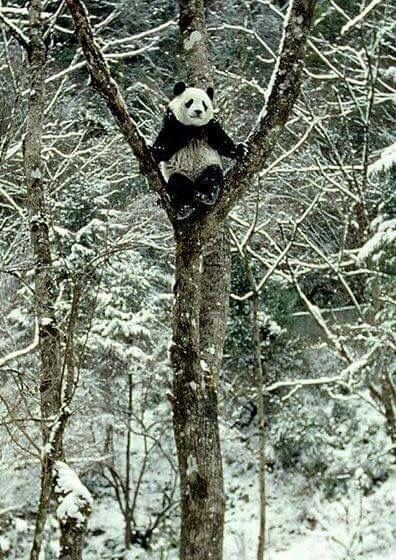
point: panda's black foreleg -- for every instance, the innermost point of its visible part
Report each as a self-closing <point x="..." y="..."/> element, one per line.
<point x="181" y="191"/>
<point x="209" y="184"/>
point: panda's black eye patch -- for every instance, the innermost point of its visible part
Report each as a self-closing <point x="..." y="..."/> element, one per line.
<point x="189" y="103"/>
<point x="204" y="105"/>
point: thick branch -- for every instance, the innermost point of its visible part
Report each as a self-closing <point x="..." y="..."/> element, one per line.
<point x="284" y="90"/>
<point x="193" y="30"/>
<point x="103" y="82"/>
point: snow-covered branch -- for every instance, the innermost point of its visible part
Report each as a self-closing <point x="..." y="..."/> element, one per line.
<point x="23" y="351"/>
<point x="357" y="19"/>
<point x="283" y="90"/>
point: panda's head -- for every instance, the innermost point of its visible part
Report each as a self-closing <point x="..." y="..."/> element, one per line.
<point x="192" y="106"/>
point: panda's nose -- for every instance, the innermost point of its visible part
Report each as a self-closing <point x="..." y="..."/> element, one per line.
<point x="198" y="112"/>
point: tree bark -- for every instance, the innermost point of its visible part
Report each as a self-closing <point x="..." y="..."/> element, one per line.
<point x="72" y="539"/>
<point x="215" y="291"/>
<point x="383" y="391"/>
<point x="195" y="415"/>
<point x="128" y="466"/>
<point x="259" y="377"/>
<point x="45" y="289"/>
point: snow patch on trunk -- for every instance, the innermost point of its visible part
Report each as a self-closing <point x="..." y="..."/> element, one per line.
<point x="193" y="38"/>
<point x="74" y="498"/>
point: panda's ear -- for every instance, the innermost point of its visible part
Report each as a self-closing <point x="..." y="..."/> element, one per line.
<point x="179" y="88"/>
<point x="210" y="92"/>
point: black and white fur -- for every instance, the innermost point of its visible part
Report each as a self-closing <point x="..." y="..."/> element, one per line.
<point x="189" y="147"/>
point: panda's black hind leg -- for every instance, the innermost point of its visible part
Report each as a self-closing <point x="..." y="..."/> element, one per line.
<point x="181" y="191"/>
<point x="209" y="184"/>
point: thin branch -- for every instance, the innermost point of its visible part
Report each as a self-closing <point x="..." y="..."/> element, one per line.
<point x="16" y="33"/>
<point x="360" y="16"/>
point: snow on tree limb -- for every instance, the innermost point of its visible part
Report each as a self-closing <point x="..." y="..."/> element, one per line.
<point x="385" y="162"/>
<point x="384" y="237"/>
<point x="23" y="351"/>
<point x="16" y="32"/>
<point x="285" y="85"/>
<point x="74" y="498"/>
<point x="352" y="22"/>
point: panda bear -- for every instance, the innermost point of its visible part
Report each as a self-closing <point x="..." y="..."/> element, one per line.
<point x="189" y="148"/>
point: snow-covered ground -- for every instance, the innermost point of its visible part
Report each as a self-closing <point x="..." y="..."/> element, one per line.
<point x="358" y="523"/>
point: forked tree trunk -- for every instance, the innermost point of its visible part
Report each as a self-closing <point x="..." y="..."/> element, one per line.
<point x="199" y="322"/>
<point x="196" y="415"/>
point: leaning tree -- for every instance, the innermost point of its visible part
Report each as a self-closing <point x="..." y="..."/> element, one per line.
<point x="202" y="259"/>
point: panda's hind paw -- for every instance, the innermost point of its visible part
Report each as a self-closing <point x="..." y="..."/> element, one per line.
<point x="208" y="198"/>
<point x="184" y="212"/>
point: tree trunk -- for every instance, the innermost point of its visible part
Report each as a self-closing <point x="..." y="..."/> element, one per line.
<point x="72" y="539"/>
<point x="128" y="466"/>
<point x="73" y="511"/>
<point x="196" y="401"/>
<point x="44" y="291"/>
<point x="383" y="391"/>
<point x="259" y="377"/>
<point x="54" y="410"/>
<point x="215" y="291"/>
<point x="195" y="413"/>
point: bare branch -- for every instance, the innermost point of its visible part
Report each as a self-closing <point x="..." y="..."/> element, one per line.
<point x="103" y="82"/>
<point x="16" y="33"/>
<point x="351" y="23"/>
<point x="283" y="91"/>
<point x="18" y="353"/>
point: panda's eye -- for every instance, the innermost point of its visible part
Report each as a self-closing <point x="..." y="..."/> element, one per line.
<point x="204" y="105"/>
<point x="189" y="103"/>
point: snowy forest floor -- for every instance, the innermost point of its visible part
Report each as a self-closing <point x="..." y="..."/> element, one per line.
<point x="302" y="522"/>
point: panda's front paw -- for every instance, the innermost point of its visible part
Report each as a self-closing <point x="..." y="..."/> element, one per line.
<point x="241" y="150"/>
<point x="184" y="212"/>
